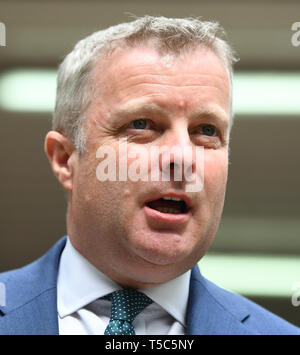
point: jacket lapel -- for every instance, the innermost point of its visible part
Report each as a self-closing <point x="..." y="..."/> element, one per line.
<point x="209" y="310"/>
<point x="31" y="300"/>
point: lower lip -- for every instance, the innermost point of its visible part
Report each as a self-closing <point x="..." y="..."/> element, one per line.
<point x="167" y="217"/>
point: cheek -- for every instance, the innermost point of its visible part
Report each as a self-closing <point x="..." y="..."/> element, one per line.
<point x="134" y="163"/>
<point x="215" y="174"/>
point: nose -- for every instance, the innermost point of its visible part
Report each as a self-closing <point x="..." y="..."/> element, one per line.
<point x="176" y="158"/>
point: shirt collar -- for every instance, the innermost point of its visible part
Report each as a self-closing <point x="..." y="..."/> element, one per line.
<point x="80" y="283"/>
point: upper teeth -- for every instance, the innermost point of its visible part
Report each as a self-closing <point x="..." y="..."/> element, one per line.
<point x="171" y="198"/>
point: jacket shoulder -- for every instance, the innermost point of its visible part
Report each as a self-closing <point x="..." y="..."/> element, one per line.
<point x="24" y="284"/>
<point x="254" y="317"/>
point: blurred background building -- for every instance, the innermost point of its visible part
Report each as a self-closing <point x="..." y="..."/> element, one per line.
<point x="256" y="251"/>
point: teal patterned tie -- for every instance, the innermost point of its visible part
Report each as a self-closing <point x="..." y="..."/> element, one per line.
<point x="126" y="305"/>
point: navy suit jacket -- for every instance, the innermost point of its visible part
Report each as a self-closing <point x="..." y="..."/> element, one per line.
<point x="31" y="304"/>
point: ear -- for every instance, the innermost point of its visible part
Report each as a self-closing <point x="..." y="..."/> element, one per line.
<point x="59" y="150"/>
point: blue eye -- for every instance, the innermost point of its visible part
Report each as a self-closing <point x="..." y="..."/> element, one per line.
<point x="209" y="130"/>
<point x="139" y="124"/>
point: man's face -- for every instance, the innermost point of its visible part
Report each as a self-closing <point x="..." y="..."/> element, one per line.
<point x="126" y="228"/>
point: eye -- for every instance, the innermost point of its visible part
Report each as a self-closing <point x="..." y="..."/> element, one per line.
<point x="209" y="130"/>
<point x="141" y="123"/>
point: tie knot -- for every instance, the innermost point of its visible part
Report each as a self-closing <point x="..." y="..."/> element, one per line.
<point x="127" y="304"/>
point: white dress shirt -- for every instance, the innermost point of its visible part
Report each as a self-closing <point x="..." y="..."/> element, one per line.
<point x="81" y="311"/>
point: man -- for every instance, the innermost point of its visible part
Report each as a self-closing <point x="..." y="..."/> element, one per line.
<point x="153" y="86"/>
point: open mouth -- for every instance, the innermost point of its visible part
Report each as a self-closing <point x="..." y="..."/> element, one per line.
<point x="168" y="204"/>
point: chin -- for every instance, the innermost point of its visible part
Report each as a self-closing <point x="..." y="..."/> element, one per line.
<point x="164" y="252"/>
<point x="154" y="273"/>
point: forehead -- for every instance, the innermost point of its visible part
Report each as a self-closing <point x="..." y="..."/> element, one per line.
<point x="143" y="71"/>
<point x="129" y="58"/>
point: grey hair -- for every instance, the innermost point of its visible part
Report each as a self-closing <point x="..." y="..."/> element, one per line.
<point x="168" y="35"/>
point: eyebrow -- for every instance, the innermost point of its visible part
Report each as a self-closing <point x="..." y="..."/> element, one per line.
<point x="213" y="115"/>
<point x="135" y="109"/>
